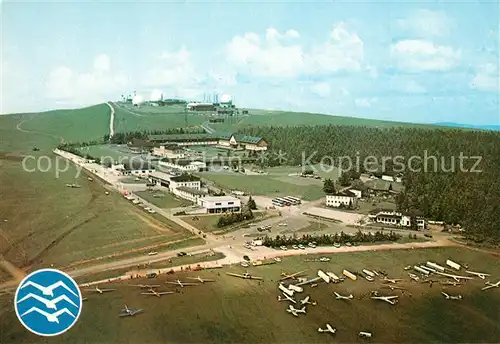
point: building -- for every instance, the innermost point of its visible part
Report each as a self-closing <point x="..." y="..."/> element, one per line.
<point x="183" y="165"/>
<point x="358" y="193"/>
<point x="345" y="199"/>
<point x="226" y="140"/>
<point x="220" y="204"/>
<point x="251" y="143"/>
<point x="391" y="217"/>
<point x="161" y="178"/>
<point x="169" y="151"/>
<point x="188" y="193"/>
<point x="185" y="180"/>
<point x="387" y="178"/>
<point x="200" y="107"/>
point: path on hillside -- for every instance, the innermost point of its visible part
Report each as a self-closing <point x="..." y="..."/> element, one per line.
<point x="205" y="126"/>
<point x="131" y="112"/>
<point x="18" y="127"/>
<point x="111" y="120"/>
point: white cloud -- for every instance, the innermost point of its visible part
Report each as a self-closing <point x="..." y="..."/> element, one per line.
<point x="365" y="102"/>
<point x="274" y="56"/>
<point x="424" y="22"/>
<point x="486" y="78"/>
<point x="69" y="87"/>
<point x="322" y="89"/>
<point x="411" y="86"/>
<point x="422" y="55"/>
<point x="173" y="69"/>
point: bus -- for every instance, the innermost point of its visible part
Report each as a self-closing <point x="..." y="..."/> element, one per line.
<point x="284" y="201"/>
<point x="295" y="199"/>
<point x="278" y="203"/>
<point x="292" y="200"/>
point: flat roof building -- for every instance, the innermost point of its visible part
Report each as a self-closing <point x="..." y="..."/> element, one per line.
<point x="220" y="204"/>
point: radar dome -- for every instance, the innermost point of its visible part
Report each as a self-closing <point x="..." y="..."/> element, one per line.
<point x="226" y="98"/>
<point x="137" y="100"/>
<point x="156" y="95"/>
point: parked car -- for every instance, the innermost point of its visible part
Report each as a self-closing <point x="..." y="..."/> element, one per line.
<point x="247" y="258"/>
<point x="181" y="254"/>
<point x="283" y="248"/>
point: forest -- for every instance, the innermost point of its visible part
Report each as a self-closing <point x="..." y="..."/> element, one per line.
<point x="451" y="175"/>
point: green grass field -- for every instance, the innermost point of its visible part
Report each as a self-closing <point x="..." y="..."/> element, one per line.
<point x="233" y="310"/>
<point x="208" y="223"/>
<point x="267" y="185"/>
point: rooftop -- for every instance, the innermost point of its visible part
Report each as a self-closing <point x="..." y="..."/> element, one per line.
<point x="221" y="198"/>
<point x="160" y="175"/>
<point x="247" y="139"/>
<point x="185" y="178"/>
<point x="191" y="190"/>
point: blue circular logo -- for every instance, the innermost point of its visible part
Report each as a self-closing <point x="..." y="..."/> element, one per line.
<point x="48" y="302"/>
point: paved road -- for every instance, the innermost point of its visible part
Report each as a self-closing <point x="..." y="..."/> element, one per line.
<point x="111" y="120"/>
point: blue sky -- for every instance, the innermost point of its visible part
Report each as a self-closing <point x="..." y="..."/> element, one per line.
<point x="407" y="61"/>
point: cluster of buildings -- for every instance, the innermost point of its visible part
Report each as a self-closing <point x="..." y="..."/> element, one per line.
<point x="346" y="198"/>
<point x="394" y="218"/>
<point x="189" y="187"/>
<point x="223" y="140"/>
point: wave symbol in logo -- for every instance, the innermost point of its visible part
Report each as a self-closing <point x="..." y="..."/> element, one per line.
<point x="48" y="302"/>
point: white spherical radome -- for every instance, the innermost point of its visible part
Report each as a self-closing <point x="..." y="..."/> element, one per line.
<point x="137" y="100"/>
<point x="155" y="95"/>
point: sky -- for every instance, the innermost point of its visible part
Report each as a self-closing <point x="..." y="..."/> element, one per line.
<point x="412" y="61"/>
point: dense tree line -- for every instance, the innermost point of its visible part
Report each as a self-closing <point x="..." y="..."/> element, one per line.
<point x="330" y="239"/>
<point x="232" y="218"/>
<point x="455" y="177"/>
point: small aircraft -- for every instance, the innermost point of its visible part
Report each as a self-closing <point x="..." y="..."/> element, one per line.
<point x="315" y="279"/>
<point x="100" y="291"/>
<point x="328" y="329"/>
<point x="286" y="298"/>
<point x="392" y="287"/>
<point x="307" y="301"/>
<point x="156" y="293"/>
<point x="341" y="297"/>
<point x="129" y="312"/>
<point x="389" y="299"/>
<point x="146" y="286"/>
<point x="201" y="280"/>
<point x="414" y="277"/>
<point x="455" y="277"/>
<point x="450" y="297"/>
<point x="73" y="186"/>
<point x="490" y="285"/>
<point x="481" y="275"/>
<point x="292" y="276"/>
<point x="182" y="284"/>
<point x="455" y="284"/>
<point x="391" y="280"/>
<point x="365" y="334"/>
<point x="295" y="311"/>
<point x="246" y="275"/>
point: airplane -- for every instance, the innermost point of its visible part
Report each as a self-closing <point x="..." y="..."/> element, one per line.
<point x="392" y="287"/>
<point x="455" y="284"/>
<point x="146" y="286"/>
<point x="129" y="312"/>
<point x="246" y="275"/>
<point x="182" y="284"/>
<point x="490" y="285"/>
<point x="328" y="329"/>
<point x="157" y="294"/>
<point x="100" y="291"/>
<point x="365" y="334"/>
<point x="449" y="297"/>
<point x="201" y="280"/>
<point x="52" y="304"/>
<point x="455" y="277"/>
<point x="414" y="277"/>
<point x="50" y="317"/>
<point x="286" y="298"/>
<point x="292" y="276"/>
<point x="481" y="275"/>
<point x="341" y="297"/>
<point x="389" y="299"/>
<point x="315" y="279"/>
<point x="391" y="280"/>
<point x="307" y="301"/>
<point x="295" y="311"/>
<point x="73" y="186"/>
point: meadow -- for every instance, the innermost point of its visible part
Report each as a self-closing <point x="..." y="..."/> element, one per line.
<point x="233" y="310"/>
<point x="166" y="201"/>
